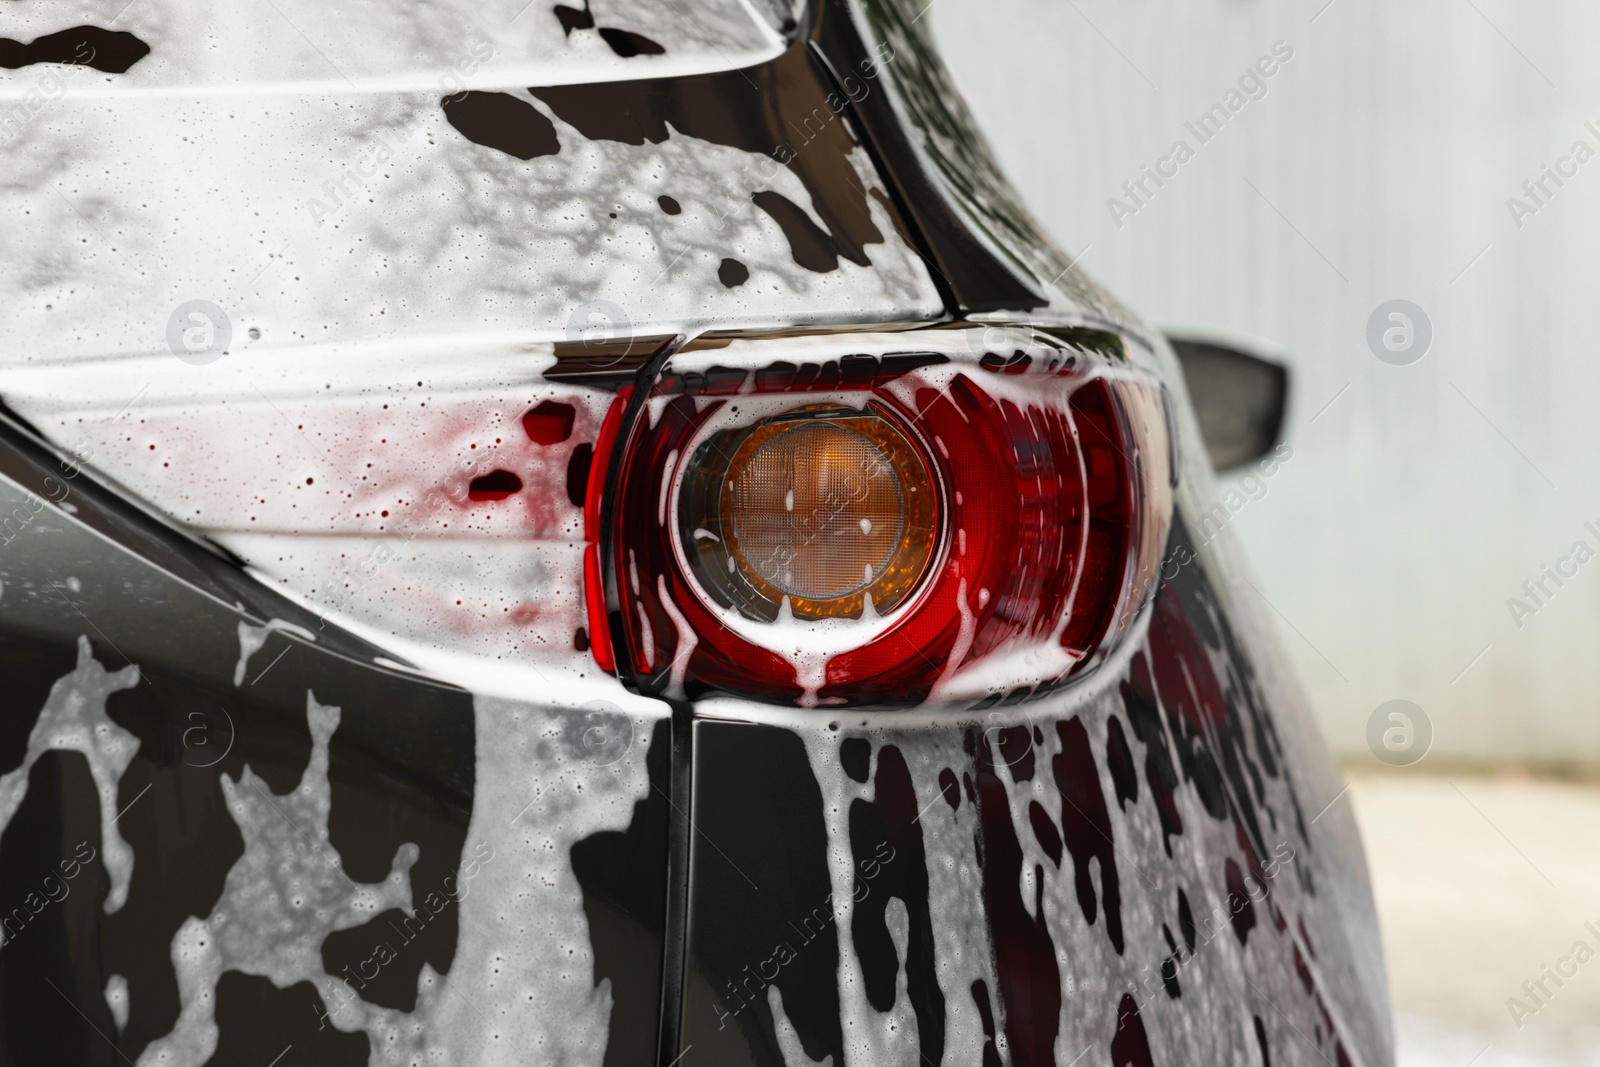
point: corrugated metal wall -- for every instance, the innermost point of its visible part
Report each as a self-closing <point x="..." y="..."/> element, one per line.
<point x="1377" y="166"/>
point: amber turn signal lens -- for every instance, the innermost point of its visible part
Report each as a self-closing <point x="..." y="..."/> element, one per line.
<point x="832" y="509"/>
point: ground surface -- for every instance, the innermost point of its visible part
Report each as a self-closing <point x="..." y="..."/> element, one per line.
<point x="1481" y="884"/>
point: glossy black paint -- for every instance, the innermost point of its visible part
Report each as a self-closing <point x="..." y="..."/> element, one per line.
<point x="1029" y="983"/>
<point x="502" y="122"/>
<point x="891" y="863"/>
<point x="254" y="1015"/>
<point x="43" y="984"/>
<point x="400" y="770"/>
<point x="970" y="275"/>
<point x="109" y="51"/>
<point x="760" y="901"/>
<point x="624" y="875"/>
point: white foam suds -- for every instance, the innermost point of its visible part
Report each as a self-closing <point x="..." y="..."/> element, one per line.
<point x="789" y="1045"/>
<point x="281" y="899"/>
<point x="524" y="963"/>
<point x="654" y="407"/>
<point x="686" y="639"/>
<point x="668" y="469"/>
<point x="963" y="642"/>
<point x="962" y="951"/>
<point x="522" y="977"/>
<point x="869" y="610"/>
<point x="74" y="719"/>
<point x="895" y="1040"/>
<point x="251" y="638"/>
<point x="116" y="994"/>
<point x="647" y="637"/>
<point x="1014" y="663"/>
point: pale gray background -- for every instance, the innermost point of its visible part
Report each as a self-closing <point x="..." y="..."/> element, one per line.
<point x="1381" y="158"/>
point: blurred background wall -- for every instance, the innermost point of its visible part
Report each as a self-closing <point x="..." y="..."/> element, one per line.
<point x="1377" y="166"/>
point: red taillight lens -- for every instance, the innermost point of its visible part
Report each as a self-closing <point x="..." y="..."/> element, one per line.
<point x="884" y="531"/>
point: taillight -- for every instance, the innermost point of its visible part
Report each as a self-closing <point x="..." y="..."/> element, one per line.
<point x="882" y="530"/>
<point x="820" y="512"/>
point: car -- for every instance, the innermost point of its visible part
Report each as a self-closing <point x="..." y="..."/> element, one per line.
<point x="608" y="536"/>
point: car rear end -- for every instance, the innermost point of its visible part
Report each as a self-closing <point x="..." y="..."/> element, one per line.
<point x="660" y="563"/>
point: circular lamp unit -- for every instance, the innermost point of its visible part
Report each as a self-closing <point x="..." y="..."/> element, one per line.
<point x="828" y="508"/>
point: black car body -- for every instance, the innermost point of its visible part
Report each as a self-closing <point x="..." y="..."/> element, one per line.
<point x="370" y="696"/>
